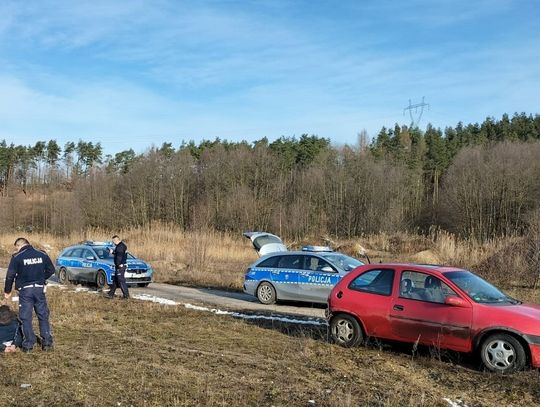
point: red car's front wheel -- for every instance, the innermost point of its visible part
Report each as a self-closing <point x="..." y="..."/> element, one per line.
<point x="502" y="353"/>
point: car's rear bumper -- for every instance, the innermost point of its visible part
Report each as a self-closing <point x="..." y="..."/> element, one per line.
<point x="250" y="286"/>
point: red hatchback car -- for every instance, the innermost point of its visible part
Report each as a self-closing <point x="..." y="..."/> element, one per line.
<point x="437" y="306"/>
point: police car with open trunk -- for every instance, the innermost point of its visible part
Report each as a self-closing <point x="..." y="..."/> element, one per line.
<point x="307" y="275"/>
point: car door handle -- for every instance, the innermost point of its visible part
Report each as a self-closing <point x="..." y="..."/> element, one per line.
<point x="275" y="272"/>
<point x="398" y="307"/>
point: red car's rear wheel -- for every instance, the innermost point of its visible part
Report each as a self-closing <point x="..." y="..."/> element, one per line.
<point x="346" y="330"/>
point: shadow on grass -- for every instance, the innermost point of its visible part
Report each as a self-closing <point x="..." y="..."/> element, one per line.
<point x="422" y="354"/>
<point x="318" y="332"/>
<point x="300" y="304"/>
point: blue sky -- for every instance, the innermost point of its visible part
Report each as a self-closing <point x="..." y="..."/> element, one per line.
<point x="134" y="73"/>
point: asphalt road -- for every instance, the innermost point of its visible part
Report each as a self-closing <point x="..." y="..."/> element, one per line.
<point x="226" y="300"/>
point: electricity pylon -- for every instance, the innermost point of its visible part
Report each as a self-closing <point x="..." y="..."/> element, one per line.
<point x="418" y="111"/>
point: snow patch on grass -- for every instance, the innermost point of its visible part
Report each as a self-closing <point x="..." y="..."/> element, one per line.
<point x="254" y="316"/>
<point x="457" y="403"/>
<point x="153" y="298"/>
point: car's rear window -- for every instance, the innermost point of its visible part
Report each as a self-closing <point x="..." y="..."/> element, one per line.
<point x="68" y="253"/>
<point x="270" y="262"/>
<point x="293" y="262"/>
<point x="378" y="281"/>
<point x="76" y="253"/>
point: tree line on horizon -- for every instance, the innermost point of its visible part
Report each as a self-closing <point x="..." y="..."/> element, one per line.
<point x="477" y="180"/>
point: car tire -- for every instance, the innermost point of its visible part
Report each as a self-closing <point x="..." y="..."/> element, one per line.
<point x="346" y="331"/>
<point x="101" y="279"/>
<point x="266" y="293"/>
<point x="142" y="284"/>
<point x="502" y="353"/>
<point x="63" y="276"/>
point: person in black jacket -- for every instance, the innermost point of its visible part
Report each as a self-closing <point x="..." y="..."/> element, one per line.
<point x="120" y="265"/>
<point x="10" y="330"/>
<point x="30" y="269"/>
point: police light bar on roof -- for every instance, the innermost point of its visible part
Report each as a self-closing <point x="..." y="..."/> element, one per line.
<point x="96" y="243"/>
<point x="312" y="248"/>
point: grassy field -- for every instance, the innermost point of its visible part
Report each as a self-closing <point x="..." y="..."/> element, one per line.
<point x="143" y="354"/>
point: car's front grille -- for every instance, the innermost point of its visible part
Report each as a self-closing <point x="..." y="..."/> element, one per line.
<point x="138" y="280"/>
<point x="136" y="271"/>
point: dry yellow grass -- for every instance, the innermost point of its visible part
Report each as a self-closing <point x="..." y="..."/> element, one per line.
<point x="205" y="257"/>
<point x="218" y="259"/>
<point x="116" y="353"/>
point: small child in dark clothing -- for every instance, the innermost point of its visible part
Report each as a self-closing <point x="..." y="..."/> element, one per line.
<point x="10" y="330"/>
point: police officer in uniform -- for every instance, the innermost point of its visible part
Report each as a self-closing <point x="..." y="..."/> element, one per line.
<point x="30" y="269"/>
<point x="120" y="265"/>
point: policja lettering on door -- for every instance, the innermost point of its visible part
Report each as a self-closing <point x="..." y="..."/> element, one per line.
<point x="319" y="279"/>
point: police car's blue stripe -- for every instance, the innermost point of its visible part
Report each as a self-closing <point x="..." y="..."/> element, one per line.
<point x="278" y="276"/>
<point x="294" y="282"/>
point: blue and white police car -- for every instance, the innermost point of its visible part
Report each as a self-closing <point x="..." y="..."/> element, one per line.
<point x="307" y="275"/>
<point x="92" y="262"/>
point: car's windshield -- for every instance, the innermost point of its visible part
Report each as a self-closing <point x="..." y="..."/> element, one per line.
<point x="104" y="254"/>
<point x="479" y="289"/>
<point x="345" y="263"/>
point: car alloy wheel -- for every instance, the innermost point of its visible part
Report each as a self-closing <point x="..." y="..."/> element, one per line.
<point x="101" y="279"/>
<point x="503" y="353"/>
<point x="266" y="293"/>
<point x="62" y="276"/>
<point x="346" y="330"/>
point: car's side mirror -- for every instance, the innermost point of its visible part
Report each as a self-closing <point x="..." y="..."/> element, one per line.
<point x="327" y="269"/>
<point x="455" y="301"/>
<point x="90" y="258"/>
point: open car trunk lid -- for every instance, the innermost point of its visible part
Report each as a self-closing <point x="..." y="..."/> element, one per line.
<point x="265" y="243"/>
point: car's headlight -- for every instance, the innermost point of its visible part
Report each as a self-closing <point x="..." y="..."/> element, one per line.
<point x="150" y="270"/>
